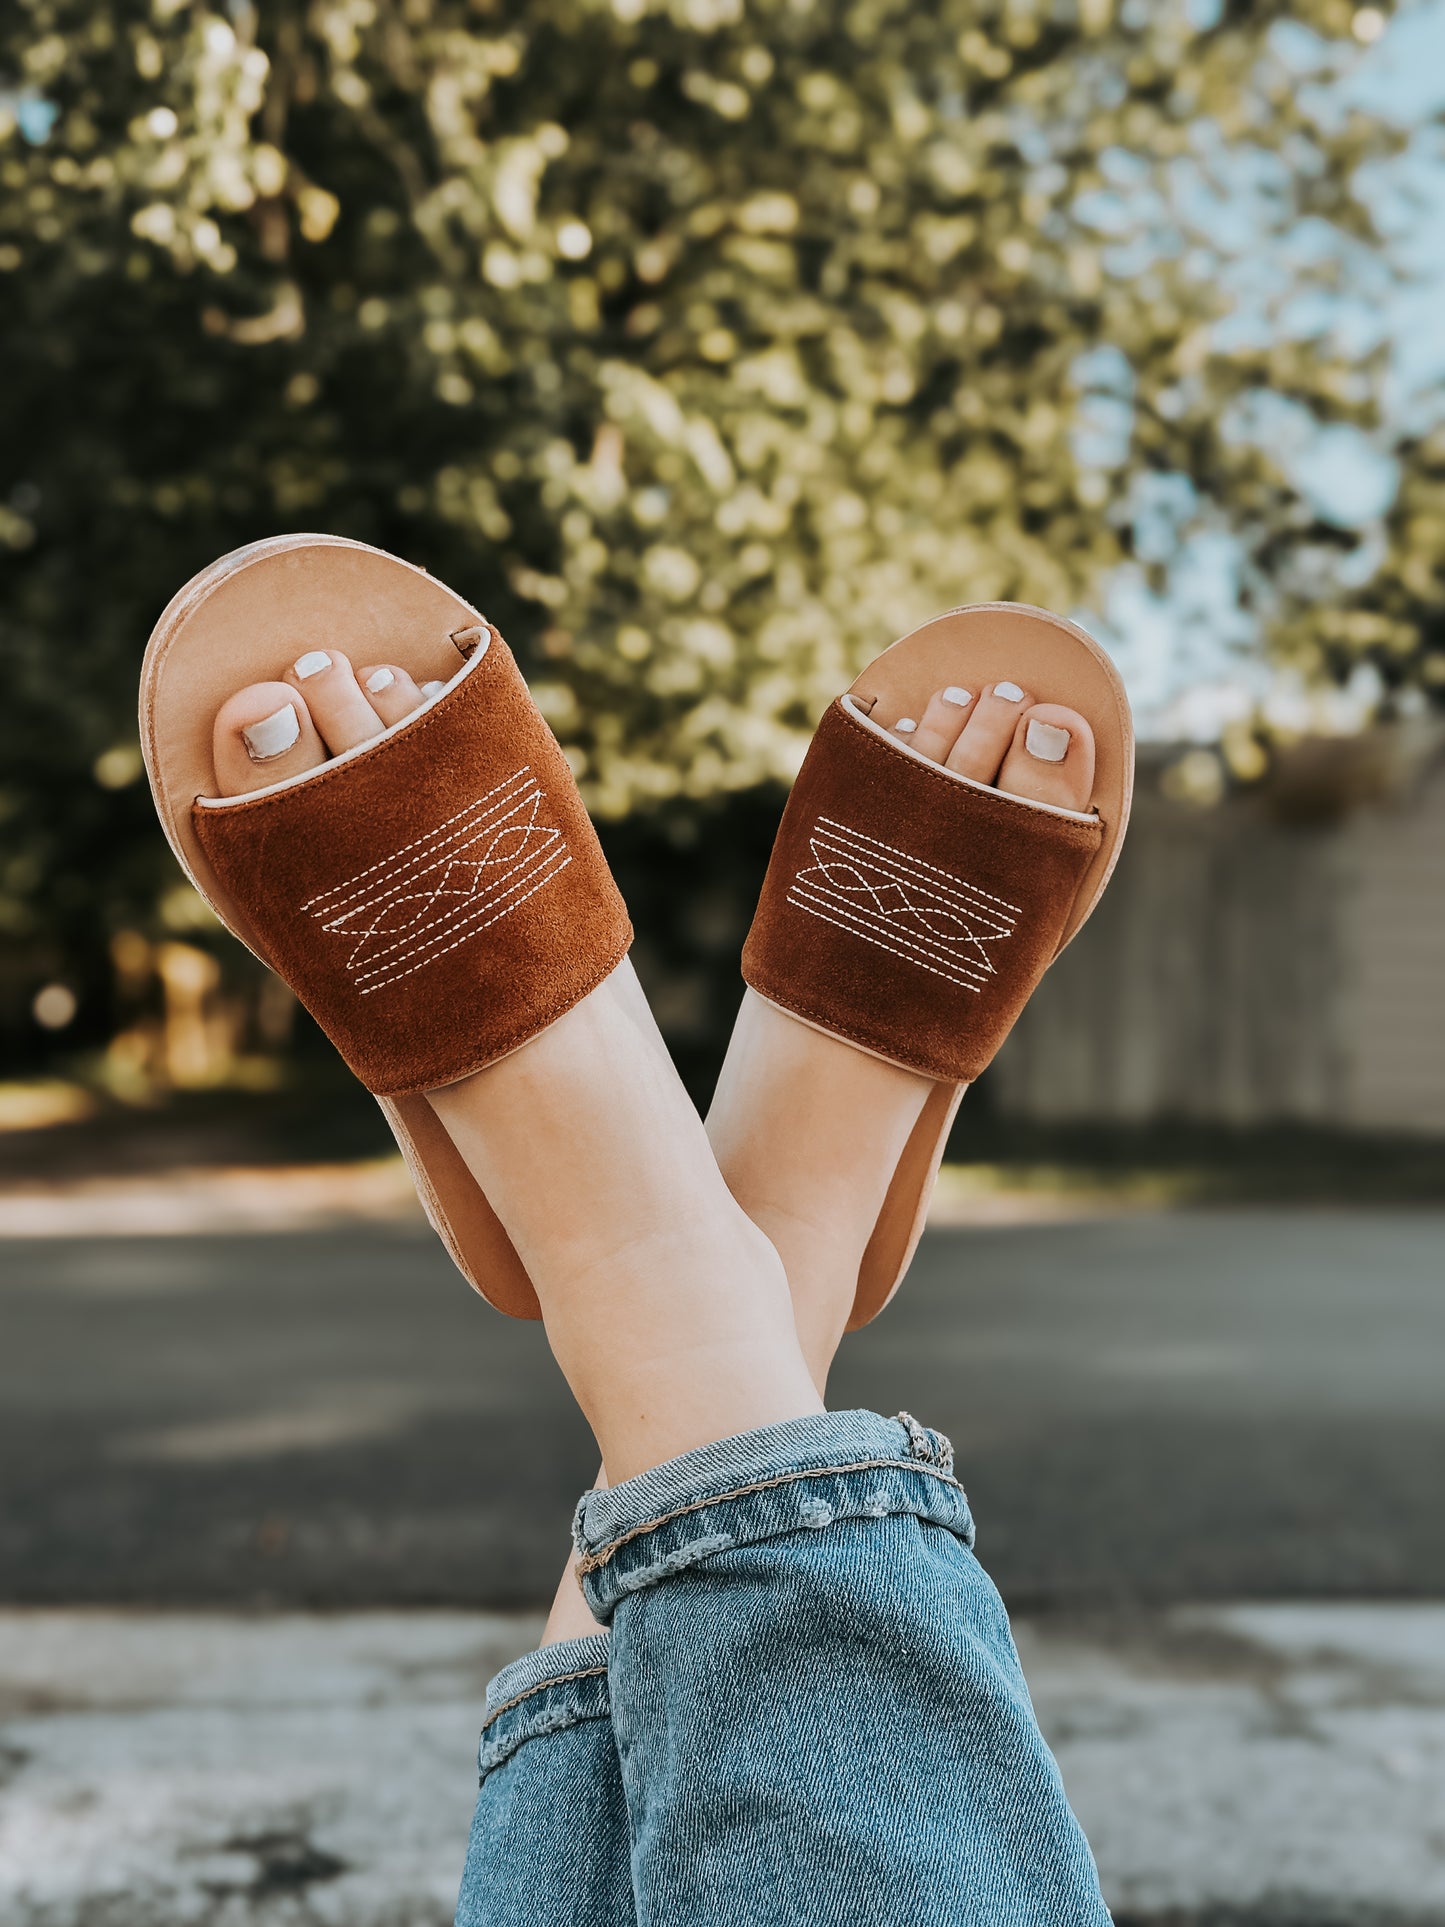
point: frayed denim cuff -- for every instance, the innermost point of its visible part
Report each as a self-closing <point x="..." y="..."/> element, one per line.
<point x="806" y="1473"/>
<point x="545" y="1691"/>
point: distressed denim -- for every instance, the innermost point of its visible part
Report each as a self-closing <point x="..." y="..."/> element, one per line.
<point x="549" y="1835"/>
<point x="818" y="1711"/>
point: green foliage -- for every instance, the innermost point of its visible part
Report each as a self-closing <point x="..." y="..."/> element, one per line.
<point x="1395" y="624"/>
<point x="707" y="344"/>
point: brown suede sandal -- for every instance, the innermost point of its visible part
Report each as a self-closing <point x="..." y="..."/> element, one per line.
<point x="910" y="911"/>
<point x="436" y="896"/>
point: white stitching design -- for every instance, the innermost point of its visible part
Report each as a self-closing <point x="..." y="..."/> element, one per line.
<point x="444" y="888"/>
<point x="917" y="862"/>
<point x="386" y="862"/>
<point x="914" y="910"/>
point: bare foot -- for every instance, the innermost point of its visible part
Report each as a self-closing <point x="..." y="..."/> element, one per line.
<point x="808" y="1131"/>
<point x="666" y="1308"/>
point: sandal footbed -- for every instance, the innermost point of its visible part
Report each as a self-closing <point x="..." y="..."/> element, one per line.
<point x="241" y="621"/>
<point x="1053" y="660"/>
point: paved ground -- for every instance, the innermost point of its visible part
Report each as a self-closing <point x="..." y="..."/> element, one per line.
<point x="1240" y="1404"/>
<point x="1199" y="1445"/>
<point x="1235" y="1767"/>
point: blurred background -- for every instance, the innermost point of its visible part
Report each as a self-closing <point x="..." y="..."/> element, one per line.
<point x="708" y="345"/>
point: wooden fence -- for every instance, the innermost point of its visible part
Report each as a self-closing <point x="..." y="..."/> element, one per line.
<point x="1277" y="958"/>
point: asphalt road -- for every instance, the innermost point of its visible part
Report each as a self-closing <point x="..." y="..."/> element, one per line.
<point x="1238" y="1405"/>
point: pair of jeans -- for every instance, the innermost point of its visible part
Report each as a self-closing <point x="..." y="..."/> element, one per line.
<point x="808" y="1710"/>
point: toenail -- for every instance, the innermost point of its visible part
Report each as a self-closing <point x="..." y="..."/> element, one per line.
<point x="273" y="734"/>
<point x="382" y="679"/>
<point x="311" y="664"/>
<point x="960" y="698"/>
<point x="1010" y="692"/>
<point x="432" y="688"/>
<point x="1048" y="744"/>
<point x="905" y="725"/>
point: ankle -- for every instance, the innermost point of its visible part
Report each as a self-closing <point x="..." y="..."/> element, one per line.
<point x="706" y="1350"/>
<point x="820" y="1249"/>
<point x="570" y="1616"/>
<point x="667" y="1310"/>
<point x="808" y="1134"/>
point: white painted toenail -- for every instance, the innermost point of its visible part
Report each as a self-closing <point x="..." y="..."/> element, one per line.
<point x="311" y="664"/>
<point x="960" y="698"/>
<point x="1048" y="744"/>
<point x="905" y="725"/>
<point x="273" y="735"/>
<point x="432" y="688"/>
<point x="1010" y="692"/>
<point x="382" y="679"/>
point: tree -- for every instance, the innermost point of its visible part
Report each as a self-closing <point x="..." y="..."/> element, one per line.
<point x="708" y="344"/>
<point x="1387" y="635"/>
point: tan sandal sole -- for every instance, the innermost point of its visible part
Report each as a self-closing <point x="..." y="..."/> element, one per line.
<point x="241" y="621"/>
<point x="988" y="643"/>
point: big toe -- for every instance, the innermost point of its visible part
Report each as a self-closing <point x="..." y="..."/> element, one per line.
<point x="1051" y="758"/>
<point x="263" y="734"/>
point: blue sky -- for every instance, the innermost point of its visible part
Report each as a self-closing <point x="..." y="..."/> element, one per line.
<point x="1191" y="658"/>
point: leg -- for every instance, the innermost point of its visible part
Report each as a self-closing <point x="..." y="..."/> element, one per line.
<point x="818" y="1708"/>
<point x="808" y="1131"/>
<point x="938" y="1799"/>
<point x="666" y="1307"/>
<point x="549" y="1844"/>
<point x="669" y="1314"/>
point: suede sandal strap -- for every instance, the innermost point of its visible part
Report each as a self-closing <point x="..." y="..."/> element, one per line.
<point x="907" y="909"/>
<point x="436" y="897"/>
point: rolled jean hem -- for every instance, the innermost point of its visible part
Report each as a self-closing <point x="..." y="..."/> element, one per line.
<point x="804" y="1474"/>
<point x="544" y="1691"/>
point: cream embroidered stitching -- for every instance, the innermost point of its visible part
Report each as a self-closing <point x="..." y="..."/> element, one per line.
<point x="858" y="927"/>
<point x="971" y="888"/>
<point x="445" y="887"/>
<point x="523" y="865"/>
<point x="938" y="922"/>
<point x="473" y="932"/>
<point x="386" y="861"/>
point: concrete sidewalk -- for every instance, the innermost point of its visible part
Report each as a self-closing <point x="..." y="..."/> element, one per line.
<point x="1247" y="1766"/>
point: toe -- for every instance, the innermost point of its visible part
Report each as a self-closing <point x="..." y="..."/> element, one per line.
<point x="937" y="730"/>
<point x="983" y="742"/>
<point x="1051" y="758"/>
<point x="390" y="691"/>
<point x="262" y="734"/>
<point x="339" y="709"/>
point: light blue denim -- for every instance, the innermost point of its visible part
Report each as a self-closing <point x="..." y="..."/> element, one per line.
<point x="549" y="1835"/>
<point x="816" y="1709"/>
